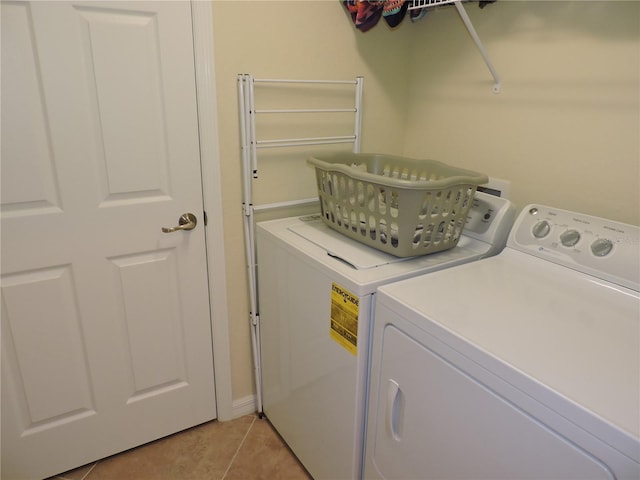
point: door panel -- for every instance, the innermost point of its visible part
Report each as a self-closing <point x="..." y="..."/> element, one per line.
<point x="50" y="368"/>
<point x="106" y="340"/>
<point x="133" y="156"/>
<point x="154" y="365"/>
<point x="32" y="187"/>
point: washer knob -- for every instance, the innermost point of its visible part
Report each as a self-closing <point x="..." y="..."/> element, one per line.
<point x="541" y="229"/>
<point x="570" y="238"/>
<point x="601" y="247"/>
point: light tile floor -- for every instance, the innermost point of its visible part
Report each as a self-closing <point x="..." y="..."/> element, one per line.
<point x="247" y="448"/>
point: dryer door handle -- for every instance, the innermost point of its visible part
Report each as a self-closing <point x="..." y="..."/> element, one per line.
<point x="395" y="410"/>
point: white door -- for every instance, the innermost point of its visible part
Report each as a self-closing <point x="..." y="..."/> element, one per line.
<point x="106" y="340"/>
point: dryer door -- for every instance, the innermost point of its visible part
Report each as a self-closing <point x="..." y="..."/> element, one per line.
<point x="431" y="420"/>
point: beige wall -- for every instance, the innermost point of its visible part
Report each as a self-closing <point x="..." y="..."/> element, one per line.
<point x="565" y="129"/>
<point x="304" y="40"/>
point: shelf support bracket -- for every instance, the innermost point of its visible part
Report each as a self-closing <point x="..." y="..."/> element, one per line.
<point x="417" y="4"/>
<point x="472" y="31"/>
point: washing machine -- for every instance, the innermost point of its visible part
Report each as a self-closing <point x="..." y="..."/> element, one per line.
<point x="522" y="365"/>
<point x="316" y="292"/>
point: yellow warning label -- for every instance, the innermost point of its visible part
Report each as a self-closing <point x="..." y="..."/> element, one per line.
<point x="344" y="318"/>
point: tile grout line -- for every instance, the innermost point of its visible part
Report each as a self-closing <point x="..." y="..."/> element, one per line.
<point x="62" y="477"/>
<point x="238" y="449"/>
<point x="90" y="470"/>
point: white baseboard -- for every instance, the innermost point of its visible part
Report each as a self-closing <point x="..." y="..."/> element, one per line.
<point x="244" y="406"/>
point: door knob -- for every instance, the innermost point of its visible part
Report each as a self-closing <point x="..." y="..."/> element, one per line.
<point x="187" y="221"/>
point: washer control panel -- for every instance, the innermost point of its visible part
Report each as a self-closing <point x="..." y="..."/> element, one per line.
<point x="487" y="214"/>
<point x="604" y="248"/>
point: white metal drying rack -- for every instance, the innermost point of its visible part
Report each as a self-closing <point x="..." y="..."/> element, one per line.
<point x="418" y="4"/>
<point x="250" y="146"/>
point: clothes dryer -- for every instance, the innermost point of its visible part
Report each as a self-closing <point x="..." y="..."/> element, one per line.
<point x="316" y="292"/>
<point x="522" y="365"/>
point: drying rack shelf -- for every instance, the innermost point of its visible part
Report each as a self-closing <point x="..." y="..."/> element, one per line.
<point x="251" y="142"/>
<point x="418" y="4"/>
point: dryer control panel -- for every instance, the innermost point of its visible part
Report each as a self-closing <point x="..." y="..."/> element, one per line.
<point x="604" y="248"/>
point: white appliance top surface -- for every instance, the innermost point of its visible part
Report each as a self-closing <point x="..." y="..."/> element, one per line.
<point x="574" y="333"/>
<point x="361" y="257"/>
<point x="360" y="268"/>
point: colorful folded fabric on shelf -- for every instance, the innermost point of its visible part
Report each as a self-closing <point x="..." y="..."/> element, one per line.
<point x="393" y="11"/>
<point x="484" y="3"/>
<point x="365" y="14"/>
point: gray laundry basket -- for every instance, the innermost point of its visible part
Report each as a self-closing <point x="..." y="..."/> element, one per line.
<point x="402" y="206"/>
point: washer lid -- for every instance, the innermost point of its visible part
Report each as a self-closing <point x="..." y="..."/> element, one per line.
<point x="358" y="255"/>
<point x="376" y="268"/>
